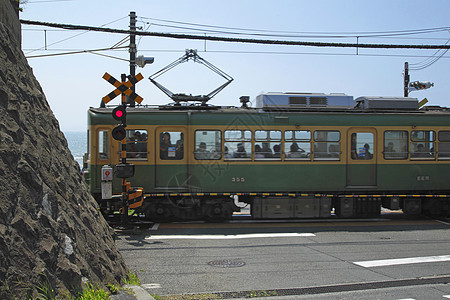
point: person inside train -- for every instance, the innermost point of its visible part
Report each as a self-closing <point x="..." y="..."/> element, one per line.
<point x="277" y="151"/>
<point x="296" y="151"/>
<point x="266" y="151"/>
<point x="165" y="143"/>
<point x="354" y="154"/>
<point x="258" y="152"/>
<point x="421" y="151"/>
<point x="333" y="151"/>
<point x="201" y="152"/>
<point x="367" y="154"/>
<point x="240" y="152"/>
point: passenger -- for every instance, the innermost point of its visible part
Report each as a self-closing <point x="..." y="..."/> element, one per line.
<point x="277" y="151"/>
<point x="179" y="149"/>
<point x="258" y="152"/>
<point x="421" y="152"/>
<point x="165" y="143"/>
<point x="296" y="151"/>
<point x="333" y="150"/>
<point x="240" y="152"/>
<point x="266" y="151"/>
<point x="354" y="154"/>
<point x="226" y="153"/>
<point x="201" y="152"/>
<point x="390" y="148"/>
<point x="367" y="154"/>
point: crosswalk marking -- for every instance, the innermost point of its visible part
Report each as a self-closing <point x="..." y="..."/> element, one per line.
<point x="227" y="237"/>
<point x="402" y="261"/>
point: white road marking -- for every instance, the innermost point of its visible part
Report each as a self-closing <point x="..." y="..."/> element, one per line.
<point x="155" y="226"/>
<point x="402" y="261"/>
<point x="446" y="296"/>
<point x="151" y="286"/>
<point x="446" y="223"/>
<point x="227" y="237"/>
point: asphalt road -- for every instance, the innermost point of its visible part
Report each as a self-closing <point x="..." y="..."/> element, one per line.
<point x="392" y="257"/>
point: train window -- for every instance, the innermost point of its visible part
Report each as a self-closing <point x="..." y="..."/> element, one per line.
<point x="137" y="144"/>
<point x="422" y="144"/>
<point x="297" y="144"/>
<point x="238" y="144"/>
<point x="362" y="145"/>
<point x="103" y="144"/>
<point x="395" y="144"/>
<point x="208" y="144"/>
<point x="267" y="144"/>
<point x="326" y="145"/>
<point x="444" y="145"/>
<point x="169" y="150"/>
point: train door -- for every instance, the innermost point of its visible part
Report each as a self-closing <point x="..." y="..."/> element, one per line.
<point x="361" y="157"/>
<point x="171" y="171"/>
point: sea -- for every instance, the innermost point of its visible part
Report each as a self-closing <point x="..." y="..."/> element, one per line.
<point x="77" y="141"/>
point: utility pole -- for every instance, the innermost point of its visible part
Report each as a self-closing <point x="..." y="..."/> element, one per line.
<point x="406" y="81"/>
<point x="132" y="49"/>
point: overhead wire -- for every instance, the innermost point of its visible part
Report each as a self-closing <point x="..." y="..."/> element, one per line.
<point x="237" y="40"/>
<point x="76" y="35"/>
<point x="308" y="33"/>
<point x="430" y="60"/>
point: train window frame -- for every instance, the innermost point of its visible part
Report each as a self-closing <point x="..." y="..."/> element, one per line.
<point x="174" y="151"/>
<point x="298" y="145"/>
<point x="139" y="141"/>
<point x="399" y="155"/>
<point x="210" y="155"/>
<point x="103" y="143"/>
<point x="233" y="142"/>
<point x="318" y="143"/>
<point x="263" y="145"/>
<point x="441" y="143"/>
<point x="422" y="148"/>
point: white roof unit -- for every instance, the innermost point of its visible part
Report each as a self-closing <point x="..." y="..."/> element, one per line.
<point x="403" y="103"/>
<point x="304" y="100"/>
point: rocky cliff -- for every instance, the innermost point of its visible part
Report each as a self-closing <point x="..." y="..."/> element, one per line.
<point x="51" y="232"/>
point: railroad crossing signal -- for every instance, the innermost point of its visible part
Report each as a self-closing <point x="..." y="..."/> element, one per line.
<point x="123" y="88"/>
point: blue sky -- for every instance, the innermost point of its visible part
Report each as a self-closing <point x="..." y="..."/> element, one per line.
<point x="73" y="83"/>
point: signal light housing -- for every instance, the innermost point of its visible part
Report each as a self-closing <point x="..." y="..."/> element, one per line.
<point x="119" y="133"/>
<point x="120" y="114"/>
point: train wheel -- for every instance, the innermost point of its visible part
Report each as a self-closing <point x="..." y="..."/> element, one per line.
<point x="218" y="212"/>
<point x="158" y="213"/>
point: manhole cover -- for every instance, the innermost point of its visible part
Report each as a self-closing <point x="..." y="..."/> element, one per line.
<point x="227" y="263"/>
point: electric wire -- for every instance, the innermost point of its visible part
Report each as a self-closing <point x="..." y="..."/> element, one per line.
<point x="319" y="34"/>
<point x="236" y="40"/>
<point x="78" y="52"/>
<point x="308" y="35"/>
<point x="430" y="60"/>
<point x="71" y="37"/>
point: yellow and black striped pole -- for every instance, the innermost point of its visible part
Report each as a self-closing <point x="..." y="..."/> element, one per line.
<point x="124" y="217"/>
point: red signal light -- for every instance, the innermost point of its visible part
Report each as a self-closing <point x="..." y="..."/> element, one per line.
<point x="119" y="113"/>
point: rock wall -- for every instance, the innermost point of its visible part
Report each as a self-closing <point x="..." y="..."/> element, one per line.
<point x="51" y="232"/>
<point x="9" y="12"/>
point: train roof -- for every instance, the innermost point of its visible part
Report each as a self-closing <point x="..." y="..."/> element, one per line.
<point x="273" y="116"/>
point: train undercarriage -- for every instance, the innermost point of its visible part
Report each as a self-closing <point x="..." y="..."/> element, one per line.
<point x="182" y="208"/>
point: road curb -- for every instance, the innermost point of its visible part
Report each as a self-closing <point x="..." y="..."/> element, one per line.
<point x="139" y="292"/>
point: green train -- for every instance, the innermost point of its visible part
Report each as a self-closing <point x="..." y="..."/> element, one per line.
<point x="294" y="155"/>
